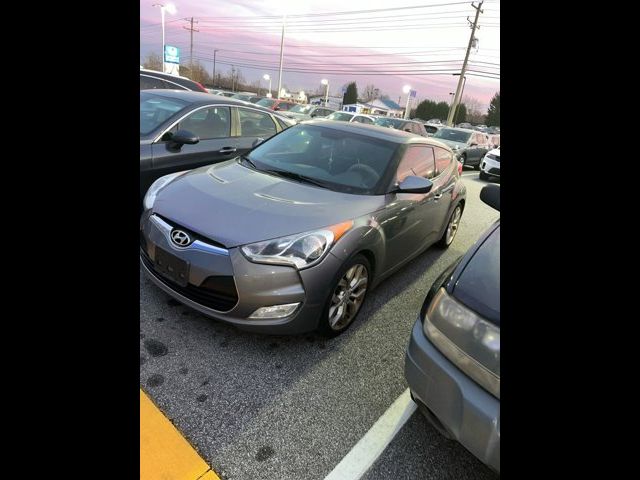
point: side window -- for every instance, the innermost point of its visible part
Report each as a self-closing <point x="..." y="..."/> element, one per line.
<point x="284" y="106"/>
<point x="147" y="83"/>
<point x="256" y="124"/>
<point x="417" y="160"/>
<point x="367" y="120"/>
<point x="358" y="119"/>
<point x="208" y="123"/>
<point x="443" y="159"/>
<point x="321" y="112"/>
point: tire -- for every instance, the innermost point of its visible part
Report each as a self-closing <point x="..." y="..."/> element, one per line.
<point x="483" y="176"/>
<point x="453" y="223"/>
<point x="332" y="322"/>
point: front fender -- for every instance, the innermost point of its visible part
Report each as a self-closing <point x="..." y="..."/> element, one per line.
<point x="365" y="235"/>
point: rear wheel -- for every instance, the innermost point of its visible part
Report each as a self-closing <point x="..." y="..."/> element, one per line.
<point x="347" y="296"/>
<point x="452" y="228"/>
<point x="483" y="176"/>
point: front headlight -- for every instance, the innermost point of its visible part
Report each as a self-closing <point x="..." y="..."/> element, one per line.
<point x="152" y="193"/>
<point x="471" y="343"/>
<point x="301" y="250"/>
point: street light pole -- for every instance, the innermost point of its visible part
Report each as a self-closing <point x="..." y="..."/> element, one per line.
<point x="213" y="80"/>
<point x="172" y="10"/>
<point x="325" y="82"/>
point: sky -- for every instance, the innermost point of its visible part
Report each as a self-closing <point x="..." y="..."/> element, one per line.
<point x="387" y="44"/>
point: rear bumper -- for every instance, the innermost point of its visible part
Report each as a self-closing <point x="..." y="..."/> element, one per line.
<point x="464" y="409"/>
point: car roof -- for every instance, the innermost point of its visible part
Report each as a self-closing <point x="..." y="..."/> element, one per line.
<point x="377" y="131"/>
<point x="202" y="98"/>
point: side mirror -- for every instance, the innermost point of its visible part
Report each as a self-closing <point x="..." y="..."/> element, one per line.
<point x="414" y="184"/>
<point x="257" y="142"/>
<point x="473" y="145"/>
<point x="407" y="130"/>
<point x="490" y="194"/>
<point x="184" y="137"/>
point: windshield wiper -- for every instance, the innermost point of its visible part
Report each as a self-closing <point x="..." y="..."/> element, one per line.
<point x="249" y="161"/>
<point x="297" y="176"/>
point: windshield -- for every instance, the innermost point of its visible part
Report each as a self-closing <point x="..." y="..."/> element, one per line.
<point x="301" y="108"/>
<point x="266" y="102"/>
<point x="389" y="122"/>
<point x="453" y="135"/>
<point x="341" y="161"/>
<point x="155" y="110"/>
<point x="342" y="116"/>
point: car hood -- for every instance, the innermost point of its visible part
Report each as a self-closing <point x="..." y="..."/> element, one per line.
<point x="478" y="284"/>
<point x="235" y="205"/>
<point x="451" y="143"/>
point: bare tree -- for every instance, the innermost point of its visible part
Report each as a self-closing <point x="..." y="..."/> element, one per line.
<point x="370" y="92"/>
<point x="153" y="62"/>
<point x="197" y="74"/>
<point x="475" y="110"/>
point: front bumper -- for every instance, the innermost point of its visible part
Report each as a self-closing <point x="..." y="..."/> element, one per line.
<point x="467" y="412"/>
<point x="490" y="166"/>
<point x="256" y="285"/>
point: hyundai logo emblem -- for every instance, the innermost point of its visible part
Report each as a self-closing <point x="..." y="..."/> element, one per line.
<point x="180" y="238"/>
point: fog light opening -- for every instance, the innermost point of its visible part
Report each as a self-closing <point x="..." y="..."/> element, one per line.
<point x="275" y="311"/>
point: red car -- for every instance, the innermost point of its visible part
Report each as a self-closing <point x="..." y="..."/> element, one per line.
<point x="276" y="104"/>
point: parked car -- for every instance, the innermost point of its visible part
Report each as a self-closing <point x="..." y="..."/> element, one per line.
<point x="276" y="104"/>
<point x="180" y="130"/>
<point x="245" y="97"/>
<point x="341" y="116"/>
<point x="490" y="166"/>
<point x="150" y="79"/>
<point x="290" y="237"/>
<point x="452" y="364"/>
<point x="435" y="121"/>
<point x="469" y="146"/>
<point x="410" y="126"/>
<point x="465" y="125"/>
<point x="307" y="112"/>
<point x="432" y="129"/>
<point x="494" y="140"/>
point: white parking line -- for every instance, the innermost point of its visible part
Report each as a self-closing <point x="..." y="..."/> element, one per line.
<point x="468" y="174"/>
<point x="364" y="453"/>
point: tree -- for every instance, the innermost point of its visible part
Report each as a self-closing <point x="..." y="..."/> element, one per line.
<point x="441" y="111"/>
<point x="351" y="95"/>
<point x="371" y="92"/>
<point x="426" y="109"/>
<point x="153" y="62"/>
<point x="197" y="74"/>
<point x="461" y="114"/>
<point x="493" y="115"/>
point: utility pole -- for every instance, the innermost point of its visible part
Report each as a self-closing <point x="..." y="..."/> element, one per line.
<point x="191" y="29"/>
<point x="284" y="19"/>
<point x="213" y="78"/>
<point x="456" y="99"/>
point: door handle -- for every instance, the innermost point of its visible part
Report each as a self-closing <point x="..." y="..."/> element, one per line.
<point x="226" y="150"/>
<point x="438" y="196"/>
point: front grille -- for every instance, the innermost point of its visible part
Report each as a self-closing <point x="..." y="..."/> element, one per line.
<point x="192" y="234"/>
<point x="216" y="292"/>
<point x="494" y="171"/>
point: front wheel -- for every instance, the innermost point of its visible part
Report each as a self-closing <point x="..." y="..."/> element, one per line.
<point x="463" y="160"/>
<point x="452" y="228"/>
<point x="483" y="176"/>
<point x="346" y="297"/>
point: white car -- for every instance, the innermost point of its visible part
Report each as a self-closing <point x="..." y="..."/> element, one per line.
<point x="490" y="165"/>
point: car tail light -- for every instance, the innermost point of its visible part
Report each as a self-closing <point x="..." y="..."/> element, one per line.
<point x="459" y="168"/>
<point x="201" y="87"/>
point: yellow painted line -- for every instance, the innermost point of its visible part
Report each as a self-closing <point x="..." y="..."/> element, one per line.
<point x="164" y="452"/>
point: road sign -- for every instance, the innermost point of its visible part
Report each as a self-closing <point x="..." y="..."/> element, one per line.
<point x="171" y="54"/>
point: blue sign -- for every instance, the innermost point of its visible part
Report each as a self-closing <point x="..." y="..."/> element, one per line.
<point x="413" y="93"/>
<point x="171" y="54"/>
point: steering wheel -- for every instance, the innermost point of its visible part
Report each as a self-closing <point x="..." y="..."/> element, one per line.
<point x="366" y="172"/>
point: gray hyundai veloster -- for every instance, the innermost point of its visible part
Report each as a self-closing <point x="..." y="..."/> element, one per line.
<point x="290" y="237"/>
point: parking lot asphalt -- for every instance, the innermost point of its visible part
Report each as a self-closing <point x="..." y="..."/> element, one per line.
<point x="258" y="407"/>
